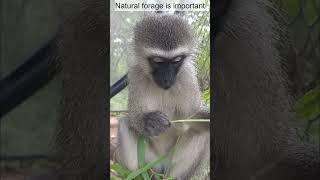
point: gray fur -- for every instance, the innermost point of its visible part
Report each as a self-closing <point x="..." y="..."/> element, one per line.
<point x="165" y="32"/>
<point x="181" y="101"/>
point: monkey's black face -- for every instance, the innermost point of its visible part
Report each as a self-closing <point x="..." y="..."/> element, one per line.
<point x="165" y="70"/>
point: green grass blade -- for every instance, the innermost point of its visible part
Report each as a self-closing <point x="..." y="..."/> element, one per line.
<point x="122" y="171"/>
<point x="115" y="178"/>
<point x="141" y="156"/>
<point x="157" y="177"/>
<point x="171" y="154"/>
<point x="145" y="176"/>
<point x="146" y="167"/>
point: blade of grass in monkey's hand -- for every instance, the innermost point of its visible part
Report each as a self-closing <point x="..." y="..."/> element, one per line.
<point x="141" y="156"/>
<point x="190" y="120"/>
<point x="193" y="125"/>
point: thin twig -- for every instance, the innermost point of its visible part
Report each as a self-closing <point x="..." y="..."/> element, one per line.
<point x="190" y="120"/>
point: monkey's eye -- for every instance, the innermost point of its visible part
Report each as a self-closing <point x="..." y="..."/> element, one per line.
<point x="157" y="60"/>
<point x="178" y="59"/>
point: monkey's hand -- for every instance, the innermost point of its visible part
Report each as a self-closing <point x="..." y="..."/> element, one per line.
<point x="154" y="123"/>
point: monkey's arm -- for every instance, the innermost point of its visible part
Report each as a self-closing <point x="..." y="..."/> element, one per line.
<point x="150" y="123"/>
<point x="142" y="120"/>
<point x="203" y="113"/>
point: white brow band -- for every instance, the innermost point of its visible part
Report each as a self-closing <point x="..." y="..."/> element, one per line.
<point x="164" y="53"/>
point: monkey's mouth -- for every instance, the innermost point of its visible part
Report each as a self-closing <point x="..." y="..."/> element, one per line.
<point x="164" y="83"/>
<point x="165" y="79"/>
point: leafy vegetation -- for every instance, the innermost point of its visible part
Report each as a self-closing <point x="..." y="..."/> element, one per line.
<point x="308" y="106"/>
<point x="308" y="109"/>
<point x="145" y="171"/>
<point x="303" y="65"/>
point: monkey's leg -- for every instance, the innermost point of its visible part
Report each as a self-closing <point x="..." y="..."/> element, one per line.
<point x="192" y="157"/>
<point x="126" y="150"/>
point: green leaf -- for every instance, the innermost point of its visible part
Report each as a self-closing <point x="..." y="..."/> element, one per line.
<point x="292" y="7"/>
<point x="141" y="156"/>
<point x="206" y="96"/>
<point x="157" y="177"/>
<point x="122" y="171"/>
<point x="310" y="12"/>
<point x="308" y="106"/>
<point x="115" y="178"/>
<point x="146" y="167"/>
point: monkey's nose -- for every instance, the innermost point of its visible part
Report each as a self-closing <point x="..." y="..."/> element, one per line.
<point x="166" y="84"/>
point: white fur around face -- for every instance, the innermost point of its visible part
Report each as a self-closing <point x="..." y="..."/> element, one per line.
<point x="180" y="101"/>
<point x="141" y="54"/>
<point x="168" y="54"/>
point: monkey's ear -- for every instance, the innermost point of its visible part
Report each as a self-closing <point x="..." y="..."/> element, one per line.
<point x="220" y="8"/>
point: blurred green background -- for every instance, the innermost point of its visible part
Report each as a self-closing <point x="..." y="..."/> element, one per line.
<point x="302" y="56"/>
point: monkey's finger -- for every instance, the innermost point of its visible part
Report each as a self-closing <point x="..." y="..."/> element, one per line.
<point x="149" y="131"/>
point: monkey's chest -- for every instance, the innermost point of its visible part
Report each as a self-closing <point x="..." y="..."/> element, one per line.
<point x="175" y="105"/>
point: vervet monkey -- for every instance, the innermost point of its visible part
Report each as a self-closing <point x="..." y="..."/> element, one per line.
<point x="163" y="87"/>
